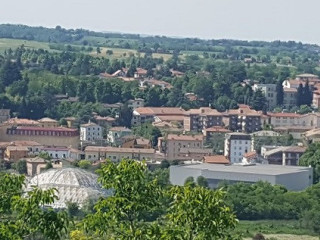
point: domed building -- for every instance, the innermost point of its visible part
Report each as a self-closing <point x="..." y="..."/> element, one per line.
<point x="73" y="185"/>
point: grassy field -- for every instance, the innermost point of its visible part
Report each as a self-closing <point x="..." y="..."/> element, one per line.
<point x="278" y="229"/>
<point x="6" y="43"/>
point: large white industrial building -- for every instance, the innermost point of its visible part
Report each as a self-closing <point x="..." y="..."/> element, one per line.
<point x="292" y="177"/>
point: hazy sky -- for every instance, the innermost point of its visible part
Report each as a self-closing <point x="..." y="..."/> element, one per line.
<point x="233" y="19"/>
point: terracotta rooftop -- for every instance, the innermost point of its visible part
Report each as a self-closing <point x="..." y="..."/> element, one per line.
<point x="204" y="111"/>
<point x="89" y="124"/>
<point x="141" y="71"/>
<point x="17" y="148"/>
<point x="217" y="129"/>
<point x="57" y="129"/>
<point x="118" y="150"/>
<point x="120" y="129"/>
<point x="159" y="111"/>
<point x="217" y="159"/>
<point x="47" y="120"/>
<point x="243" y="110"/>
<point x="25" y="143"/>
<point x="22" y="121"/>
<point x="185" y="137"/>
<point x="284" y="114"/>
<point x="250" y="154"/>
<point x="307" y="75"/>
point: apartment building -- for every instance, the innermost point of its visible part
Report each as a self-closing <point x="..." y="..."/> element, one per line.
<point x="116" y="134"/>
<point x="94" y="153"/>
<point x="236" y="145"/>
<point x="202" y="118"/>
<point x="283" y="119"/>
<point x="290" y="97"/>
<point x="183" y="147"/>
<point x="142" y="115"/>
<point x="284" y="155"/>
<point x="243" y="119"/>
<point x="136" y="103"/>
<point x="270" y="93"/>
<point x="91" y="132"/>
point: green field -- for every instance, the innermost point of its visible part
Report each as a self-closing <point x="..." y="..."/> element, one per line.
<point x="6" y="43"/>
<point x="278" y="229"/>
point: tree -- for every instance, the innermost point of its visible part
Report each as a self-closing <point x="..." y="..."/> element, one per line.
<point x="84" y="164"/>
<point x="300" y="97"/>
<point x="21" y="166"/>
<point x="121" y="216"/>
<point x="202" y="182"/>
<point x="198" y="213"/>
<point x="311" y="157"/>
<point x="125" y="116"/>
<point x="280" y="93"/>
<point x="258" y="101"/>
<point x="9" y="73"/>
<point x="22" y="217"/>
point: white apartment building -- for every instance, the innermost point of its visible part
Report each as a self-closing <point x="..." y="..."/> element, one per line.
<point x="236" y="145"/>
<point x="90" y="132"/>
<point x="270" y="93"/>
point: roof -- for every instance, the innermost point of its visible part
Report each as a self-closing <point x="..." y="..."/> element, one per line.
<point x="283" y="114"/>
<point x="290" y="90"/>
<point x="120" y="129"/>
<point x="22" y="121"/>
<point x="158" y="83"/>
<point x="89" y="124"/>
<point x="154" y="111"/>
<point x="250" y="154"/>
<point x="238" y="136"/>
<point x="141" y="71"/>
<point x="170" y="118"/>
<point x="286" y="149"/>
<point x="307" y="75"/>
<point x="217" y="129"/>
<point x="52" y="148"/>
<point x="142" y="141"/>
<point x="47" y="120"/>
<point x="185" y="137"/>
<point x="118" y="150"/>
<point x="259" y="169"/>
<point x="36" y="160"/>
<point x="204" y="111"/>
<point x="265" y="133"/>
<point x="217" y="159"/>
<point x="17" y="148"/>
<point x="108" y="119"/>
<point x="313" y="132"/>
<point x="243" y="110"/>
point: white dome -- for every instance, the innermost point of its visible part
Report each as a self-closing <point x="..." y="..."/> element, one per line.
<point x="73" y="185"/>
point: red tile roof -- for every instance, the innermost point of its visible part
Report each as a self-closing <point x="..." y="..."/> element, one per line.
<point x="185" y="137"/>
<point x="217" y="159"/>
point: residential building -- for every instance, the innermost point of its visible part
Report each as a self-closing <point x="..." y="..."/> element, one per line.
<point x="243" y="119"/>
<point x="316" y="99"/>
<point x="136" y="103"/>
<point x="116" y="134"/>
<point x="308" y="77"/>
<point x="105" y="122"/>
<point x="284" y="155"/>
<point x="236" y="145"/>
<point x="15" y="153"/>
<point x="137" y="143"/>
<point x="290" y="97"/>
<point x="140" y="73"/>
<point x="142" y="115"/>
<point x="4" y="115"/>
<point x="284" y="119"/>
<point x="291" y="177"/>
<point x="71" y="122"/>
<point x="270" y="93"/>
<point x="48" y="123"/>
<point x="35" y="165"/>
<point x="91" y="132"/>
<point x="154" y="82"/>
<point x="216" y="159"/>
<point x="202" y="118"/>
<point x="215" y="131"/>
<point x="312" y="136"/>
<point x="295" y="131"/>
<point x="94" y="153"/>
<point x="183" y="147"/>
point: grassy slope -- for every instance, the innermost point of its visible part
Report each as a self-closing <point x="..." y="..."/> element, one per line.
<point x="6" y="43"/>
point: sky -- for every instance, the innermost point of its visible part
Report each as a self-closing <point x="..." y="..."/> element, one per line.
<point x="208" y="19"/>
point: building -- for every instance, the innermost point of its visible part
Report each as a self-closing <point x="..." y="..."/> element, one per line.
<point x="15" y="153"/>
<point x="284" y="119"/>
<point x="136" y="103"/>
<point x="215" y="131"/>
<point x="292" y="177"/>
<point x="312" y="136"/>
<point x="136" y="143"/>
<point x="236" y="145"/>
<point x="183" y="147"/>
<point x="216" y="159"/>
<point x="73" y="185"/>
<point x="116" y="134"/>
<point x="270" y="93"/>
<point x="35" y="165"/>
<point x="202" y="118"/>
<point x="140" y="73"/>
<point x="290" y="97"/>
<point x="90" y="132"/>
<point x="142" y="115"/>
<point x="4" y="115"/>
<point x="94" y="153"/>
<point x="48" y="123"/>
<point x="284" y="155"/>
<point x="59" y="136"/>
<point x="71" y="122"/>
<point x="243" y="119"/>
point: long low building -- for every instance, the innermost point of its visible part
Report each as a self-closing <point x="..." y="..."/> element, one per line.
<point x="292" y="177"/>
<point x="94" y="153"/>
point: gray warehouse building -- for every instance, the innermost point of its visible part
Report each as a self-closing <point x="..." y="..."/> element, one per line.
<point x="292" y="177"/>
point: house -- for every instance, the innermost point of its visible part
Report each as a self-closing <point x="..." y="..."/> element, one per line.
<point x="202" y="118"/>
<point x="113" y="107"/>
<point x="284" y="119"/>
<point x="270" y="93"/>
<point x="48" y="123"/>
<point x="21" y="122"/>
<point x="105" y="122"/>
<point x="15" y="153"/>
<point x="308" y="77"/>
<point x="250" y="157"/>
<point x="71" y="122"/>
<point x="4" y="115"/>
<point x="291" y="177"/>
<point x="216" y="159"/>
<point x="136" y="103"/>
<point x="116" y="134"/>
<point x="154" y="82"/>
<point x="312" y="136"/>
<point x="94" y="153"/>
<point x="295" y="131"/>
<point x="35" y="165"/>
<point x="236" y="145"/>
<point x="284" y="155"/>
<point x="214" y="131"/>
<point x="90" y="132"/>
<point x="183" y="147"/>
<point x="243" y="119"/>
<point x="290" y="97"/>
<point x="137" y="143"/>
<point x="140" y="73"/>
<point x="142" y="115"/>
<point x="56" y="152"/>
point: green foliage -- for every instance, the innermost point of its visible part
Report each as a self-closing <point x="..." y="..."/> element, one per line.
<point x="84" y="164"/>
<point x="311" y="157"/>
<point x="202" y="182"/>
<point x="147" y="130"/>
<point x="21" y="166"/>
<point x="22" y="217"/>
